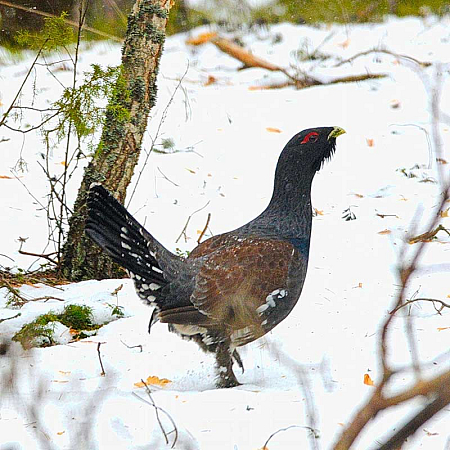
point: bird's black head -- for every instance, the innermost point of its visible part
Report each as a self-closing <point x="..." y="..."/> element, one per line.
<point x="310" y="148"/>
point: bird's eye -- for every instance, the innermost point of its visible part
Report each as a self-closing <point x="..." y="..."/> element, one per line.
<point x="310" y="137"/>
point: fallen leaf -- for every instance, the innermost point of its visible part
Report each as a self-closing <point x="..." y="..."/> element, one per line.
<point x="445" y="213"/>
<point x="441" y="161"/>
<point x="385" y="232"/>
<point x="63" y="163"/>
<point x="442" y="328"/>
<point x="395" y="104"/>
<point x="273" y="130"/>
<point x="370" y="142"/>
<point x="319" y="212"/>
<point x="201" y="38"/>
<point x="153" y="380"/>
<point x="190" y="170"/>
<point x="358" y="195"/>
<point x="360" y="285"/>
<point x="211" y="80"/>
<point x="64" y="373"/>
<point x="344" y="44"/>
<point x="368" y="380"/>
<point x="59" y="433"/>
<point x="5" y="177"/>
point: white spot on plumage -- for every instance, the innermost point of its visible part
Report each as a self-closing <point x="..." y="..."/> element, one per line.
<point x="151" y="298"/>
<point x="270" y="301"/>
<point x="125" y="245"/>
<point x="145" y="286"/>
<point x="154" y="286"/>
<point x="262" y="308"/>
<point x="156" y="269"/>
<point x="264" y="322"/>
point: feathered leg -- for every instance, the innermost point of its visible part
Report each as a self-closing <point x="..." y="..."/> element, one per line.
<point x="224" y="361"/>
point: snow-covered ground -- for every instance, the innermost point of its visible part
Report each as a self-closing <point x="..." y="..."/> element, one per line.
<point x="236" y="133"/>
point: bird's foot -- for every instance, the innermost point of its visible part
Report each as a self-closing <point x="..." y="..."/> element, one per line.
<point x="227" y="380"/>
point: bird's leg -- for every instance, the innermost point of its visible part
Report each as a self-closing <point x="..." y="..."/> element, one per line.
<point x="226" y="377"/>
<point x="238" y="359"/>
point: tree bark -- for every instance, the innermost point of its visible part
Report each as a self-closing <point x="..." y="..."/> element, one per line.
<point x="118" y="151"/>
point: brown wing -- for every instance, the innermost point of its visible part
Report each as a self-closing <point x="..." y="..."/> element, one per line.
<point x="235" y="281"/>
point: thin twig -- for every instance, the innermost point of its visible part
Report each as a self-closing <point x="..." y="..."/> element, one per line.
<point x="387" y="52"/>
<point x="37" y="255"/>
<point x="5" y="115"/>
<point x="204" y="229"/>
<point x="103" y="373"/>
<point x="12" y="317"/>
<point x="132" y="346"/>
<point x="433" y="300"/>
<point x="428" y="235"/>
<point x="183" y="231"/>
<point x="281" y="430"/>
<point x="164" y="176"/>
<point x="157" y="409"/>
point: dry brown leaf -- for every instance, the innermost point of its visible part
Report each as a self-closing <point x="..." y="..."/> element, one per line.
<point x="190" y="170"/>
<point x="153" y="380"/>
<point x="319" y="212"/>
<point x="242" y="55"/>
<point x="386" y="231"/>
<point x="367" y="380"/>
<point x="59" y="433"/>
<point x="445" y="213"/>
<point x="395" y="104"/>
<point x="344" y="44"/>
<point x="201" y="38"/>
<point x="5" y="177"/>
<point x="441" y="161"/>
<point x="64" y="373"/>
<point x="273" y="130"/>
<point x="442" y="328"/>
<point x="358" y="195"/>
<point x="211" y="80"/>
<point x="63" y="163"/>
<point x="370" y="142"/>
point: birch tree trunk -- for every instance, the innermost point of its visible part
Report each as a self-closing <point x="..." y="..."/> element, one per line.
<point x="118" y="151"/>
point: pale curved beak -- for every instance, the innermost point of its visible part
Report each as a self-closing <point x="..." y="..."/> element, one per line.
<point x="337" y="131"/>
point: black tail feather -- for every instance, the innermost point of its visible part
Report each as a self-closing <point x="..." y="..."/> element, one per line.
<point x="113" y="228"/>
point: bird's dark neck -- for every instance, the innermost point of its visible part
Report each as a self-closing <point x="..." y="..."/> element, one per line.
<point x="289" y="213"/>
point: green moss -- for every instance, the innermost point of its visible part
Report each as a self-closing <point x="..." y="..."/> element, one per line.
<point x="78" y="317"/>
<point x="40" y="331"/>
<point x="37" y="332"/>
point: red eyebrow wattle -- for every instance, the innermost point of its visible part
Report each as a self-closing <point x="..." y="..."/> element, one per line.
<point x="308" y="137"/>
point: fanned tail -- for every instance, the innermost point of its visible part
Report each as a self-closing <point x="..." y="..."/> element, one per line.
<point x="128" y="244"/>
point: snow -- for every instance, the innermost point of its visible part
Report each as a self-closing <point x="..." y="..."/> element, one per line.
<point x="330" y="339"/>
